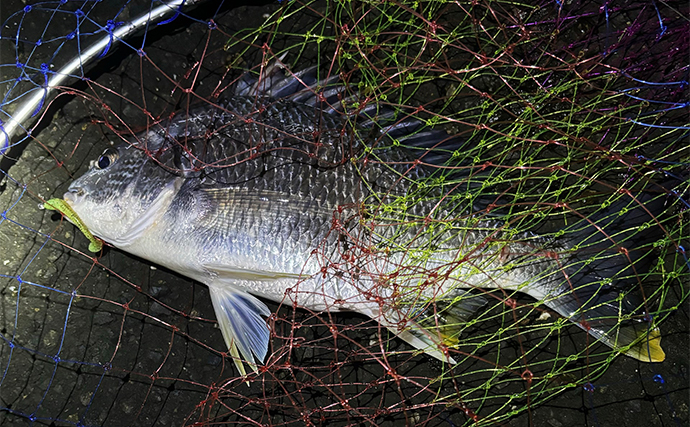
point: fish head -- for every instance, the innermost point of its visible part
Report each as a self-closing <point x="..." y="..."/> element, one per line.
<point x="121" y="191"/>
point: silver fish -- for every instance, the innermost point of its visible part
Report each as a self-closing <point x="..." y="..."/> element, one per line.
<point x="278" y="192"/>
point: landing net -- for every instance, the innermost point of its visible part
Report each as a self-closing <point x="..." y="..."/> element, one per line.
<point x="568" y="108"/>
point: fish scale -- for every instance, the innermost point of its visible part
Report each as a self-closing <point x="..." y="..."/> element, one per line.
<point x="289" y="199"/>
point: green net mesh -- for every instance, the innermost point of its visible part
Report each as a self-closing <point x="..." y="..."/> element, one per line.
<point x="564" y="110"/>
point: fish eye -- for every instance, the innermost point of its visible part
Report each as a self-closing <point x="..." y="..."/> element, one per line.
<point x="107" y="158"/>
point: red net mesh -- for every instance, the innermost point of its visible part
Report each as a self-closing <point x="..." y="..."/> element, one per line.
<point x="565" y="108"/>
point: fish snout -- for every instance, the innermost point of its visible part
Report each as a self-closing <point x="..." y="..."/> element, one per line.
<point x="73" y="195"/>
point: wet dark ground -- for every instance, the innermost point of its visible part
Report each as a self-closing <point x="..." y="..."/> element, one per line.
<point x="139" y="345"/>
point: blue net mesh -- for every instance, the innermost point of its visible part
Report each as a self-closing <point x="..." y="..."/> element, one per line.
<point x="110" y="339"/>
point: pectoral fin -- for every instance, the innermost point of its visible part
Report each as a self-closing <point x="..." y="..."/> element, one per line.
<point x="240" y="320"/>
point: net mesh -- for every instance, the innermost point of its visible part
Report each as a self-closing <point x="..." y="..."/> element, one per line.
<point x="567" y="108"/>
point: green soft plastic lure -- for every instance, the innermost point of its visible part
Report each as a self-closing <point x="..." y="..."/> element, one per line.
<point x="61" y="206"/>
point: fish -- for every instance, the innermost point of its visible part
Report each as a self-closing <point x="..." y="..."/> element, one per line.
<point x="293" y="189"/>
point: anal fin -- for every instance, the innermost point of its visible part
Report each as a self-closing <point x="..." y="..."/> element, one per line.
<point x="449" y="316"/>
<point x="431" y="326"/>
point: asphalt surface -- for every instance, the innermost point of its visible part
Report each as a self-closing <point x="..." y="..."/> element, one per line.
<point x="139" y="345"/>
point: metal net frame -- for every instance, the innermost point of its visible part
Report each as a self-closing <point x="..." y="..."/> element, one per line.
<point x="568" y="107"/>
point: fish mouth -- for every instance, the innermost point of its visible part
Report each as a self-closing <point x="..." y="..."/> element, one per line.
<point x="73" y="195"/>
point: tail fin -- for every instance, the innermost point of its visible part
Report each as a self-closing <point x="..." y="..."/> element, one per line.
<point x="614" y="317"/>
<point x="609" y="262"/>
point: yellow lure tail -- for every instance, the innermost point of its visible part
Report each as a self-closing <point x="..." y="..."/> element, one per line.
<point x="648" y="347"/>
<point x="65" y="209"/>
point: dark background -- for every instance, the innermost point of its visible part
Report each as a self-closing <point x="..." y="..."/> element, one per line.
<point x="139" y="346"/>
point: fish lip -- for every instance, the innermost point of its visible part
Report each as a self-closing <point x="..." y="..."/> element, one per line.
<point x="73" y="195"/>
